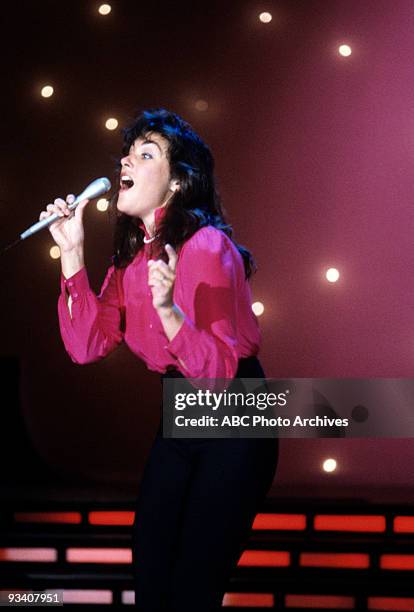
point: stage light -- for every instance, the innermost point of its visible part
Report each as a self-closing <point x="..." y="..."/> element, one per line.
<point x="265" y="17"/>
<point x="102" y="204"/>
<point x="201" y="105"/>
<point x="345" y="50"/>
<point x="111" y="124"/>
<point x="329" y="465"/>
<point x="54" y="252"/>
<point x="104" y="9"/>
<point x="258" y="308"/>
<point x="332" y="275"/>
<point x="47" y="91"/>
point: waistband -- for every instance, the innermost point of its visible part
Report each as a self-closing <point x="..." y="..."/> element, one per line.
<point x="248" y="367"/>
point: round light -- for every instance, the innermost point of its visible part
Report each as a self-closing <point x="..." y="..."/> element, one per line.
<point x="345" y="50"/>
<point x="258" y="308"/>
<point x="265" y="17"/>
<point x="102" y="204"/>
<point x="111" y="124"/>
<point x="104" y="9"/>
<point x="201" y="105"/>
<point x="54" y="252"/>
<point x="47" y="91"/>
<point x="332" y="275"/>
<point x="329" y="465"/>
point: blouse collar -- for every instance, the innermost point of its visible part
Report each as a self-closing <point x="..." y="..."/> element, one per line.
<point x="158" y="215"/>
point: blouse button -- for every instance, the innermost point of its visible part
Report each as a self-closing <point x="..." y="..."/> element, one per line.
<point x="151" y="325"/>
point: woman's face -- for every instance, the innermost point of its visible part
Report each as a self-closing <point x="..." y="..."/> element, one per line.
<point x="145" y="176"/>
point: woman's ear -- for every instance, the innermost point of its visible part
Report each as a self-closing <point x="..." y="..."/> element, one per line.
<point x="175" y="186"/>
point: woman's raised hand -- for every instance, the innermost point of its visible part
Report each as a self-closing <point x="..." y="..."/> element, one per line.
<point x="67" y="231"/>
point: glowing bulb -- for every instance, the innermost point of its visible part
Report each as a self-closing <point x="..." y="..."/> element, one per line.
<point x="329" y="465"/>
<point x="265" y="17"/>
<point x="54" y="252"/>
<point x="201" y="105"/>
<point x="345" y="50"/>
<point x="47" y="91"/>
<point x="332" y="275"/>
<point x="104" y="9"/>
<point x="258" y="308"/>
<point x="102" y="204"/>
<point x="111" y="124"/>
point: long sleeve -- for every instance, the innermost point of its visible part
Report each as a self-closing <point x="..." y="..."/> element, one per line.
<point x="209" y="273"/>
<point x="94" y="329"/>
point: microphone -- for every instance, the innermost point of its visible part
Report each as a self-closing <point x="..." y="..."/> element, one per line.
<point x="95" y="189"/>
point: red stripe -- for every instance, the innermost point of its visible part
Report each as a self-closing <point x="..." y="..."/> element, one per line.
<point x="337" y="602"/>
<point x="399" y="562"/>
<point x="292" y="522"/>
<point x="349" y="522"/>
<point x="340" y="560"/>
<point x="264" y="558"/>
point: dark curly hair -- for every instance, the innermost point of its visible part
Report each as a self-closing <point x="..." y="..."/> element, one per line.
<point x="195" y="205"/>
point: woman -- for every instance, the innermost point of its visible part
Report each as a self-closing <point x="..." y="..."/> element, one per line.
<point x="178" y="294"/>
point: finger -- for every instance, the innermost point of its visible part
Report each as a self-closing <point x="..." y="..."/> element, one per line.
<point x="80" y="209"/>
<point x="45" y="214"/>
<point x="162" y="266"/>
<point x="172" y="257"/>
<point x="53" y="209"/>
<point x="61" y="207"/>
<point x="159" y="276"/>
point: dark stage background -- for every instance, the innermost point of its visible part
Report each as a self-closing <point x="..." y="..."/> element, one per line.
<point x="314" y="155"/>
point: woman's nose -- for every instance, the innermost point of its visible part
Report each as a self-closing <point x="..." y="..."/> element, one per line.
<point x="125" y="161"/>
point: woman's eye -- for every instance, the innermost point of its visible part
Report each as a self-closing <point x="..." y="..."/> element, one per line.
<point x="149" y="155"/>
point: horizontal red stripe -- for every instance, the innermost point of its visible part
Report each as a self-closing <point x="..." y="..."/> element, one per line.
<point x="398" y="562"/>
<point x="293" y="522"/>
<point x="339" y="560"/>
<point x="92" y="596"/>
<point x="99" y="555"/>
<point x="42" y="555"/>
<point x="248" y="600"/>
<point x="349" y="522"/>
<point x="404" y="524"/>
<point x="391" y="603"/>
<point x="48" y="517"/>
<point x="264" y="558"/>
<point x="338" y="602"/>
<point x="105" y="517"/>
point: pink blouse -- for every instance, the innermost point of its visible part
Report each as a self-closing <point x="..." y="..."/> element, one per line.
<point x="210" y="288"/>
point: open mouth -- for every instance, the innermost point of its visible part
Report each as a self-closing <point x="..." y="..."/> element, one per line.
<point x="126" y="183"/>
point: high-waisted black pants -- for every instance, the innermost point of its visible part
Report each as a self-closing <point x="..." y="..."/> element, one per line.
<point x="197" y="501"/>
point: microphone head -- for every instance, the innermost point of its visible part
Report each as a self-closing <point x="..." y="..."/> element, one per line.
<point x="95" y="189"/>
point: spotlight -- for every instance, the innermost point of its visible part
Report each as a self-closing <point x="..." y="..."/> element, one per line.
<point x="104" y="9"/>
<point x="47" y="91"/>
<point x="345" y="50"/>
<point x="332" y="275"/>
<point x="265" y="17"/>
<point x="258" y="308"/>
<point x="54" y="252"/>
<point x="111" y="124"/>
<point x="201" y="105"/>
<point x="329" y="465"/>
<point x="102" y="204"/>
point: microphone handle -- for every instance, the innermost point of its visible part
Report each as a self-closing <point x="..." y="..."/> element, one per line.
<point x="46" y="222"/>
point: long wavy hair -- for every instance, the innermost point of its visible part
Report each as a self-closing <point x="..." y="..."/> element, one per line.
<point x="195" y="205"/>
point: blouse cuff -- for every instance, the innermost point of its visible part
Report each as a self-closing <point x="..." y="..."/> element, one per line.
<point x="180" y="346"/>
<point x="75" y="285"/>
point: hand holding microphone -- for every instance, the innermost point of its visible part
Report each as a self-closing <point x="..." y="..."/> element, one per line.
<point x="66" y="228"/>
<point x="65" y="218"/>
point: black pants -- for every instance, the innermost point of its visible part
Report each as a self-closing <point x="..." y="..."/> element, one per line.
<point x="197" y="501"/>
